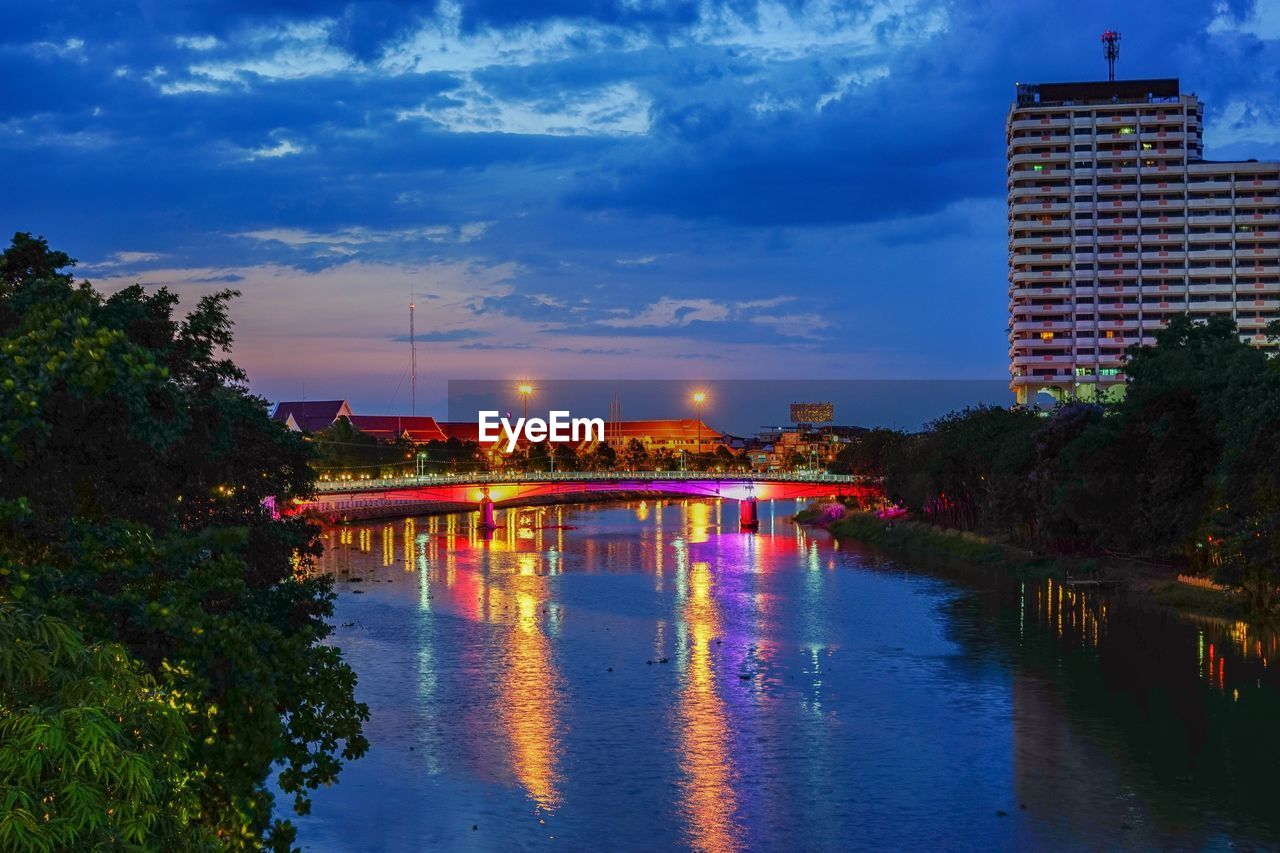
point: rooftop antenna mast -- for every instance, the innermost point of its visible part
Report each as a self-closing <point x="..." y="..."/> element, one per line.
<point x="1111" y="50"/>
<point x="413" y="367"/>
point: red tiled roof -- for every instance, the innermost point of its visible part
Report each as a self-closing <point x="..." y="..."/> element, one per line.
<point x="461" y="430"/>
<point x="311" y="415"/>
<point x="419" y="429"/>
<point x="685" y="429"/>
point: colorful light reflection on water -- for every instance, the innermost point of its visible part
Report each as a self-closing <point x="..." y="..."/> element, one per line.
<point x="647" y="676"/>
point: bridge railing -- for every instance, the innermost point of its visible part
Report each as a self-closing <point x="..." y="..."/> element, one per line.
<point x="495" y="477"/>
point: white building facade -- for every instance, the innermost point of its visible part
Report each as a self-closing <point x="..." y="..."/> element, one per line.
<point x="1117" y="223"/>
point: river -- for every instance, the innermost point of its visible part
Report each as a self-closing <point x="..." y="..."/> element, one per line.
<point x="646" y="676"/>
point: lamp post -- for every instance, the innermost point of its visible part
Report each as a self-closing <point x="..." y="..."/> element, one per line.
<point x="525" y="390"/>
<point x="699" y="397"/>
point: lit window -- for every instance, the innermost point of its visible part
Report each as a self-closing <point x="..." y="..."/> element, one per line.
<point x="1111" y="334"/>
<point x="1147" y="146"/>
<point x="1046" y="336"/>
<point x="1037" y="168"/>
<point x="1126" y="131"/>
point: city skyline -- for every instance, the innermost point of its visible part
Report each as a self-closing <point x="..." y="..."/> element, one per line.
<point x="625" y="191"/>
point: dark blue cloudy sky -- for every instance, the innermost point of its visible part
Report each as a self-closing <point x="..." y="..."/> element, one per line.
<point x="574" y="188"/>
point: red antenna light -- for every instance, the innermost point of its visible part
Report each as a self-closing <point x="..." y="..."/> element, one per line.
<point x="1111" y="50"/>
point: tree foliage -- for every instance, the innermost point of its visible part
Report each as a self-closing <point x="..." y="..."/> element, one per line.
<point x="1184" y="469"/>
<point x="134" y="471"/>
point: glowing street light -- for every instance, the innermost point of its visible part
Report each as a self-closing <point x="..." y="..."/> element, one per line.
<point x="525" y="390"/>
<point x="699" y="397"/>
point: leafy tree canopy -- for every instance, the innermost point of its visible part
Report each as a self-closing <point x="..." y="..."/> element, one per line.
<point x="134" y="471"/>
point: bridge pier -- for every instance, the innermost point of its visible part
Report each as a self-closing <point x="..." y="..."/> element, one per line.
<point x="486" y="512"/>
<point x="749" y="513"/>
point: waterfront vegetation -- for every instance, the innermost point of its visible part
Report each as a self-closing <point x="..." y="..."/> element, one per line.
<point x="1181" y="475"/>
<point x="161" y="637"/>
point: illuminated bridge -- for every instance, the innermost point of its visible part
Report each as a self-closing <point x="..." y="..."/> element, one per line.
<point x="367" y="498"/>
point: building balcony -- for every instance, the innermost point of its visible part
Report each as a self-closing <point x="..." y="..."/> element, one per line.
<point x="1164" y="307"/>
<point x="1210" y="219"/>
<point x="1251" y="287"/>
<point x="1158" y="185"/>
<point x="1017" y="175"/>
<point x="1165" y="273"/>
<point x="1256" y="185"/>
<point x="1243" y="303"/>
<point x="1199" y="254"/>
<point x="1106" y="289"/>
<point x="1116" y="187"/>
<point x="1173" y="254"/>
<point x="1041" y="381"/>
<point x="1029" y="257"/>
<point x="1042" y="326"/>
<point x="1205" y="289"/>
<point x="1042" y="361"/>
<point x="1199" y="186"/>
<point x="1104" y="171"/>
<point x="1040" y="241"/>
<point x="1257" y="235"/>
<point x="1046" y="136"/>
<point x="1031" y="224"/>
<point x="1039" y="123"/>
<point x="1203" y="239"/>
<point x="1172" y="219"/>
<point x="1031" y="277"/>
<point x="1209" y="276"/>
<point x="1032" y="291"/>
<point x="1250" y="202"/>
<point x="1165" y="136"/>
<point x="1041" y="157"/>
<point x="1194" y="203"/>
<point x="1038" y="207"/>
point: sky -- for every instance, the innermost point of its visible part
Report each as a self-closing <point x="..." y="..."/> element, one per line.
<point x="606" y="189"/>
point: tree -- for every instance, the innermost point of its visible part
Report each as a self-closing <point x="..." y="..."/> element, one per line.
<point x="969" y="469"/>
<point x="135" y="470"/>
<point x="565" y="456"/>
<point x="62" y="700"/>
<point x="634" y="456"/>
<point x="868" y="454"/>
<point x="599" y="457"/>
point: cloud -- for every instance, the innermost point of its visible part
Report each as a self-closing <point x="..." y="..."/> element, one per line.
<point x="349" y="240"/>
<point x="1262" y="21"/>
<point x="606" y="111"/>
<point x="295" y="51"/>
<point x="670" y="313"/>
<point x="122" y="259"/>
<point x="283" y="148"/>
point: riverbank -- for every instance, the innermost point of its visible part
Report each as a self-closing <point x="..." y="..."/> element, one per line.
<point x="1157" y="584"/>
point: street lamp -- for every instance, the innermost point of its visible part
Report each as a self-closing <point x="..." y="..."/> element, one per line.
<point x="525" y="390"/>
<point x="699" y="397"/>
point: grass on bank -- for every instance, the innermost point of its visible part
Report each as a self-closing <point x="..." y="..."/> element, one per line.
<point x="927" y="540"/>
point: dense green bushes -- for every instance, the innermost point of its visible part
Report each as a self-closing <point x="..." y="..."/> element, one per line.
<point x="1185" y="469"/>
<point x="161" y="637"/>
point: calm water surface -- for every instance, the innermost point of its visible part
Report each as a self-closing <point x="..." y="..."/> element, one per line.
<point x="647" y="677"/>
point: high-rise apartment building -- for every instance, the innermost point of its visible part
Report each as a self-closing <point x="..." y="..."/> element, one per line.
<point x="1117" y="224"/>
